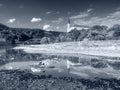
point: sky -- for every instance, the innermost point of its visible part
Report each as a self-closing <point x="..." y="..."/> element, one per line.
<point x="54" y="14"/>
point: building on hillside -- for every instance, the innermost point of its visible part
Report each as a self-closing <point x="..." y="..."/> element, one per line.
<point x="75" y="26"/>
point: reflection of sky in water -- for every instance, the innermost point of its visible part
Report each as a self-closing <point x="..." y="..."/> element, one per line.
<point x="85" y="67"/>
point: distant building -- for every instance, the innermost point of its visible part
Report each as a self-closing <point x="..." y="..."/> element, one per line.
<point x="74" y="26"/>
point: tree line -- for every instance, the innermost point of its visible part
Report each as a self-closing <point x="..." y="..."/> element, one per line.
<point x="39" y="36"/>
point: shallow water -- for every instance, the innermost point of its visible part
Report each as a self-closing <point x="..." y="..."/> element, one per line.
<point x="60" y="65"/>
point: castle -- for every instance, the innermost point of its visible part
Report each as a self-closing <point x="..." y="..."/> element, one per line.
<point x="74" y="26"/>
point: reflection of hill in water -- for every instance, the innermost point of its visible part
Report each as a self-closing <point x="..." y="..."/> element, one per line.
<point x="85" y="66"/>
<point x="102" y="72"/>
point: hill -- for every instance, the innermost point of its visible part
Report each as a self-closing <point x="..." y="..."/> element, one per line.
<point x="39" y="36"/>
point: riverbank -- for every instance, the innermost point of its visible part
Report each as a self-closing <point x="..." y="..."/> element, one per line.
<point x="97" y="48"/>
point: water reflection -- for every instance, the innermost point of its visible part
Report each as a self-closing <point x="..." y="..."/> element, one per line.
<point x="59" y="65"/>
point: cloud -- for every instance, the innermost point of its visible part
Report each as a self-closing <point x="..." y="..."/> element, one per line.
<point x="118" y="8"/>
<point x="48" y="12"/>
<point x="82" y="15"/>
<point x="34" y="19"/>
<point x="59" y="20"/>
<point x="11" y="20"/>
<point x="46" y="27"/>
<point x="109" y="20"/>
<point x="57" y="27"/>
<point x="89" y="10"/>
<point x="57" y="12"/>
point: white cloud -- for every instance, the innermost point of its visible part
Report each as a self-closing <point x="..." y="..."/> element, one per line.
<point x="12" y="20"/>
<point x="57" y="27"/>
<point x="108" y="20"/>
<point x="48" y="12"/>
<point x="46" y="27"/>
<point x="59" y="20"/>
<point x="89" y="10"/>
<point x="82" y="15"/>
<point x="34" y="19"/>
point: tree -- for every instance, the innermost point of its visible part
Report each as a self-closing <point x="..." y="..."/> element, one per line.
<point x="24" y="37"/>
<point x="46" y="40"/>
<point x="97" y="33"/>
<point x="114" y="32"/>
<point x="73" y="35"/>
